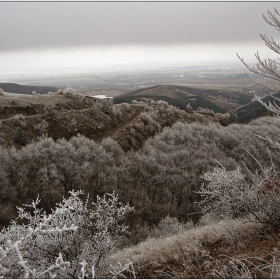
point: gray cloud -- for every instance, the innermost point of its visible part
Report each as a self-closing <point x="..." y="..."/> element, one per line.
<point x="37" y="25"/>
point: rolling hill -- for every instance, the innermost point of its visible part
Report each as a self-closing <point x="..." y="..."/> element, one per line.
<point x="23" y="89"/>
<point x="175" y="95"/>
<point x="69" y="114"/>
<point x="254" y="110"/>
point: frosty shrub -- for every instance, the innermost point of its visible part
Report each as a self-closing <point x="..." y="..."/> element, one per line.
<point x="148" y="120"/>
<point x="117" y="112"/>
<point x="2" y="92"/>
<point x="228" y="194"/>
<point x="205" y="111"/>
<point x="169" y="226"/>
<point x="162" y="102"/>
<point x="49" y="113"/>
<point x="189" y="108"/>
<point x="126" y="106"/>
<point x="106" y="106"/>
<point x="41" y="128"/>
<point x="226" y="119"/>
<point x="67" y="92"/>
<point x="72" y="241"/>
<point x="135" y="101"/>
<point x="73" y="125"/>
<point x="19" y="120"/>
<point x="222" y="190"/>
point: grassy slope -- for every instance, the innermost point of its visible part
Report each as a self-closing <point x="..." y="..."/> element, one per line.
<point x="197" y="252"/>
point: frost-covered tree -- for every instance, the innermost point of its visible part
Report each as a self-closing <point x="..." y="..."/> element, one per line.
<point x="73" y="241"/>
<point x="229" y="193"/>
<point x="267" y="69"/>
<point x="2" y="92"/>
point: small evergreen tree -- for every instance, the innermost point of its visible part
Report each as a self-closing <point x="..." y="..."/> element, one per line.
<point x="20" y="137"/>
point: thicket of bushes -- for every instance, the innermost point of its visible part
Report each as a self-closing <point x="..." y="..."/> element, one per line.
<point x="159" y="180"/>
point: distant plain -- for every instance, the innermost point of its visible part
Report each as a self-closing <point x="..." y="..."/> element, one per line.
<point x="112" y="81"/>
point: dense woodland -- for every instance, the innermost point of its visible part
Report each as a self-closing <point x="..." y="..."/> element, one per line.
<point x="159" y="180"/>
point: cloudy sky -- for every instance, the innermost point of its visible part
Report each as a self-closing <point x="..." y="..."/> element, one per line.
<point x="49" y="35"/>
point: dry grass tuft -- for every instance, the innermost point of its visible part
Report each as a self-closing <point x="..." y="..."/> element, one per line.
<point x="193" y="251"/>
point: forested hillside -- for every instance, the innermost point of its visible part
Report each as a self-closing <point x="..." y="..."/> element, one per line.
<point x="219" y="101"/>
<point x="65" y="113"/>
<point x="150" y="154"/>
<point x="255" y="110"/>
<point x="159" y="180"/>
<point x="24" y="89"/>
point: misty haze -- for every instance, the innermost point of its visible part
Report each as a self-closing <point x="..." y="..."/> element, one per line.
<point x="139" y="140"/>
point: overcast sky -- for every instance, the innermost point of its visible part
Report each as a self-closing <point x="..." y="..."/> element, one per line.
<point x="37" y="35"/>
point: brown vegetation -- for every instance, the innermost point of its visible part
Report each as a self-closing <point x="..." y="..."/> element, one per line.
<point x="71" y="115"/>
<point x="199" y="252"/>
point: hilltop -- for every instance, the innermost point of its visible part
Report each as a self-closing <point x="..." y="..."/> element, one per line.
<point x="24" y="89"/>
<point x="236" y="101"/>
<point x="219" y="101"/>
<point x="64" y="114"/>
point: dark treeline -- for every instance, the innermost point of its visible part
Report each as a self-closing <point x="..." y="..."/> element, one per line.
<point x="195" y="101"/>
<point x="255" y="109"/>
<point x="26" y="89"/>
<point x="159" y="180"/>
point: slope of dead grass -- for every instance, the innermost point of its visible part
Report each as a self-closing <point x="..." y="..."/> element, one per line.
<point x="195" y="253"/>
